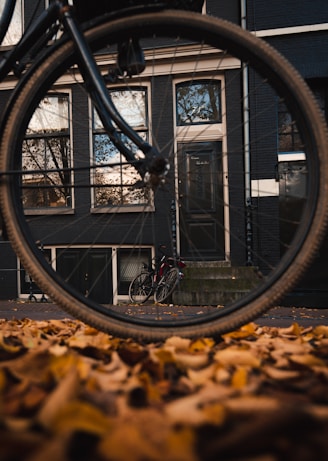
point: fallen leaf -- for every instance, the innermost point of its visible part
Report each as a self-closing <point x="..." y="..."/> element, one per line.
<point x="279" y="374"/>
<point x="63" y="393"/>
<point x="308" y="360"/>
<point x="239" y="378"/>
<point x="235" y="356"/>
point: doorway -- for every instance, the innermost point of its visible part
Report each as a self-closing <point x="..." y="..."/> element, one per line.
<point x="201" y="204"/>
<point x="89" y="271"/>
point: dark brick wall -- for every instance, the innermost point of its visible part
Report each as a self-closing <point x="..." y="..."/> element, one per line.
<point x="307" y="52"/>
<point x="8" y="271"/>
<point x="224" y="9"/>
<point x="263" y="14"/>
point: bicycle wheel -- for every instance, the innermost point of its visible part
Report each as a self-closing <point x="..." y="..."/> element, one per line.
<point x="166" y="285"/>
<point x="246" y="214"/>
<point x="141" y="288"/>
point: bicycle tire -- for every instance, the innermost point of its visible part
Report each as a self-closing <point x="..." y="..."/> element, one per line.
<point x="166" y="285"/>
<point x="280" y="276"/>
<point x="141" y="288"/>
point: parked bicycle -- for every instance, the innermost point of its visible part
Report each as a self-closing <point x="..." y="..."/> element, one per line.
<point x="88" y="169"/>
<point x="159" y="280"/>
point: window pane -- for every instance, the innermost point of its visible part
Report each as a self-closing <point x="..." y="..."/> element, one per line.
<point x="16" y="26"/>
<point x="131" y="105"/>
<point x="46" y="188"/>
<point x="130" y="263"/>
<point x="52" y="115"/>
<point x="198" y="102"/>
<point x="116" y="176"/>
<point x="289" y="138"/>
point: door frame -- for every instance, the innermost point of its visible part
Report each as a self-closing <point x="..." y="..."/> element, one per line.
<point x="204" y="133"/>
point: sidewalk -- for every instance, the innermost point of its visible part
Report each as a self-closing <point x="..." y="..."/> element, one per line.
<point x="277" y="316"/>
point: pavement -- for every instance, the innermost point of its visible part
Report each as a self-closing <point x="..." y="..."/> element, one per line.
<point x="277" y="316"/>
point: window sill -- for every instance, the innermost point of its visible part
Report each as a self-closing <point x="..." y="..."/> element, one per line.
<point x="123" y="209"/>
<point x="48" y="211"/>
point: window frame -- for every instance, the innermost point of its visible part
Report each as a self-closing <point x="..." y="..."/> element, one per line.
<point x="121" y="208"/>
<point x="60" y="209"/>
<point x="199" y="81"/>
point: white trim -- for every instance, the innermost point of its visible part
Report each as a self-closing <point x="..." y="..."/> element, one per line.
<point x="291" y="156"/>
<point x="265" y="188"/>
<point x="114" y="266"/>
<point x="201" y="133"/>
<point x="114" y="276"/>
<point x="61" y="210"/>
<point x="291" y="30"/>
<point x="138" y="208"/>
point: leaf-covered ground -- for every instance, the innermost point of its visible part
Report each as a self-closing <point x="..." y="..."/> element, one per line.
<point x="70" y="392"/>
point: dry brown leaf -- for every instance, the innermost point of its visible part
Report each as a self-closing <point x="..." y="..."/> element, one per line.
<point x="32" y="366"/>
<point x="82" y="340"/>
<point x="200" y="377"/>
<point x="63" y="393"/>
<point x="287" y="346"/>
<point x="245" y="331"/>
<point x="321" y="330"/>
<point x="252" y="404"/>
<point x="279" y="374"/>
<point x="193" y="361"/>
<point x="161" y="400"/>
<point x="308" y="360"/>
<point x="6" y="345"/>
<point x="179" y="445"/>
<point x="189" y="410"/>
<point x="81" y="416"/>
<point x="52" y="450"/>
<point x="234" y="356"/>
<point x="293" y="330"/>
<point x="177" y="343"/>
<point x="239" y="378"/>
<point x="201" y="345"/>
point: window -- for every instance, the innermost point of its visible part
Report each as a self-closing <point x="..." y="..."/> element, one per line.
<point x="130" y="262"/>
<point x="198" y="102"/>
<point x="289" y="138"/>
<point x="46" y="148"/>
<point x="16" y="26"/>
<point x="116" y="176"/>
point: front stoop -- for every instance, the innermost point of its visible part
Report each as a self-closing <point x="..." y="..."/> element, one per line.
<point x="214" y="284"/>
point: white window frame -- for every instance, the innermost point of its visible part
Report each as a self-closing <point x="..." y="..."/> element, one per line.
<point x="121" y="208"/>
<point x="60" y="210"/>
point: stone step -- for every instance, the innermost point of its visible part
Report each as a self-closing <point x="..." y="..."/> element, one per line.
<point x="221" y="273"/>
<point x="214" y="284"/>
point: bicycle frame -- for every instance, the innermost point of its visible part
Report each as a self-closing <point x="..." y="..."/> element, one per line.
<point x="165" y="261"/>
<point x="59" y="12"/>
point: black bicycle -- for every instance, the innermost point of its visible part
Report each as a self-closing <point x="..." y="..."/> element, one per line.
<point x="115" y="183"/>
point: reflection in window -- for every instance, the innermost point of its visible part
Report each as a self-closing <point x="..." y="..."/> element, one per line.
<point x="129" y="264"/>
<point x="198" y="102"/>
<point x="289" y="137"/>
<point x="46" y="148"/>
<point x="15" y="30"/>
<point x="114" y="175"/>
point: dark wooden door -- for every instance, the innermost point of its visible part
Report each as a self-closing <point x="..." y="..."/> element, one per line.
<point x="201" y="208"/>
<point x="89" y="271"/>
